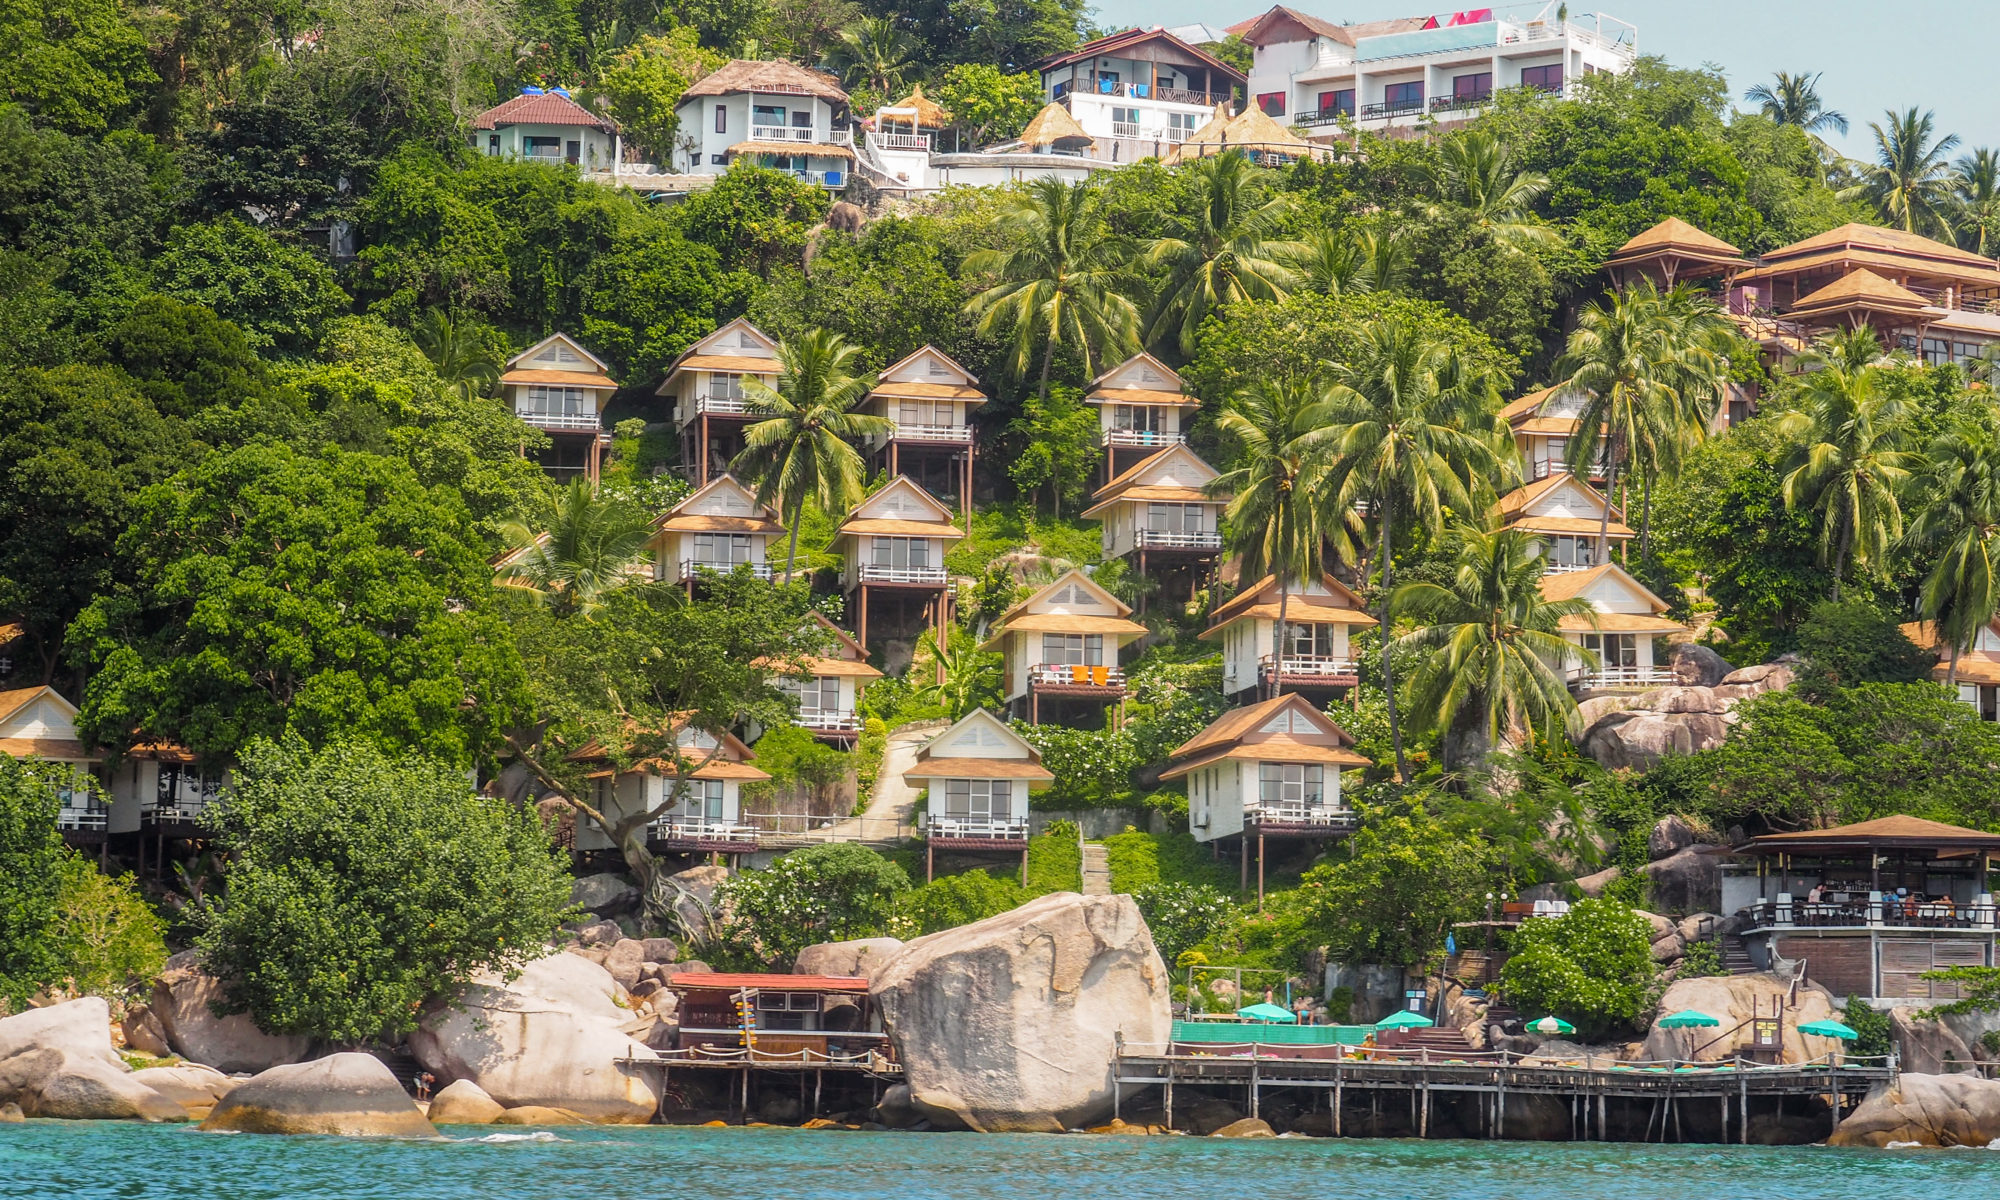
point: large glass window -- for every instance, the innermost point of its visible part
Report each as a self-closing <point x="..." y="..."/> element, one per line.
<point x="725" y="387"/>
<point x="1614" y="650"/>
<point x="700" y="799"/>
<point x="1398" y="97"/>
<point x="903" y="553"/>
<point x="1290" y="784"/>
<point x="820" y="694"/>
<point x="1473" y="87"/>
<point x="1176" y="518"/>
<point x="553" y="402"/>
<point x="1340" y="100"/>
<point x="1568" y="551"/>
<point x="1073" y="649"/>
<point x="721" y="550"/>
<point x="1548" y="79"/>
<point x="767" y="114"/>
<point x="978" y="799"/>
<point x="1314" y="641"/>
<point x="542" y="147"/>
<point x="1273" y="103"/>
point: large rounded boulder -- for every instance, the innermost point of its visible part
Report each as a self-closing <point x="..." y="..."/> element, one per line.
<point x="863" y="958"/>
<point x="58" y="1062"/>
<point x="1010" y="1025"/>
<point x="1929" y="1110"/>
<point x="197" y="1089"/>
<point x="183" y="996"/>
<point x="554" y="1037"/>
<point x="344" y="1095"/>
<point x="1733" y="1000"/>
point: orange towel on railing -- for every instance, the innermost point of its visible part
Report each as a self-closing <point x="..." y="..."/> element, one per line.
<point x="1100" y="675"/>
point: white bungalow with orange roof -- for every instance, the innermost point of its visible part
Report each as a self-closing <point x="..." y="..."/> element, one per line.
<point x="1628" y="633"/>
<point x="705" y="386"/>
<point x="1061" y="647"/>
<point x="561" y="388"/>
<point x="1321" y="619"/>
<point x="1975" y="675"/>
<point x="719" y="528"/>
<point x="1566" y="514"/>
<point x="699" y="813"/>
<point x="893" y="545"/>
<point x="38" y="722"/>
<point x="930" y="397"/>
<point x="1544" y="423"/>
<point x="1158" y="512"/>
<point x="161" y="790"/>
<point x="829" y="688"/>
<point x="1142" y="406"/>
<point x="977" y="776"/>
<point x="1267" y="770"/>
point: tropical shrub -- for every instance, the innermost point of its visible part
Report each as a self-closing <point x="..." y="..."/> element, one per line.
<point x="953" y="900"/>
<point x="112" y="943"/>
<point x="1592" y="966"/>
<point x="1183" y="915"/>
<point x="830" y="893"/>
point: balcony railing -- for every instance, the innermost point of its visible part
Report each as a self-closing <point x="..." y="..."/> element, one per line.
<point x="828" y="720"/>
<point x="899" y="141"/>
<point x="1620" y="677"/>
<point x="1124" y="129"/>
<point x="1146" y="91"/>
<point x="691" y="568"/>
<point x="986" y="829"/>
<point x="728" y="406"/>
<point x="870" y="573"/>
<point x="1324" y="116"/>
<point x="1396" y="108"/>
<point x="1168" y="539"/>
<point x="701" y="829"/>
<point x="913" y="432"/>
<point x="551" y="420"/>
<point x="184" y="811"/>
<point x="1140" y="437"/>
<point x="82" y="813"/>
<point x="801" y="133"/>
<point x="1559" y="568"/>
<point x="1457" y="103"/>
<point x="1312" y="666"/>
<point x="1876" y="912"/>
<point x="1310" y="812"/>
<point x="1075" y="675"/>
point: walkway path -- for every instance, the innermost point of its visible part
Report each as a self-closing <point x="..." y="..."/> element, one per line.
<point x="1096" y="870"/>
<point x="892" y="802"/>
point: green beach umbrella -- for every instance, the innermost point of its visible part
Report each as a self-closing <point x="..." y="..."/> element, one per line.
<point x="1550" y="1026"/>
<point x="1688" y="1018"/>
<point x="1269" y="1013"/>
<point x="1832" y="1029"/>
<point x="1405" y="1020"/>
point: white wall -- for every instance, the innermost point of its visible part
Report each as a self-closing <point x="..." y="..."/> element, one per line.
<point x="1215" y="801"/>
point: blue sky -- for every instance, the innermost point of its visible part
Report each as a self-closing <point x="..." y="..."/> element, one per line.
<point x="1872" y="56"/>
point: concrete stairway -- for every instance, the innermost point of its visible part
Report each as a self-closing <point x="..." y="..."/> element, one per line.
<point x="1096" y="870"/>
<point x="1736" y="956"/>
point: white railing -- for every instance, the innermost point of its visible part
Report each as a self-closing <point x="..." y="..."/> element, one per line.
<point x="1556" y="568"/>
<point x="801" y="133"/>
<point x="724" y="405"/>
<point x="1124" y="129"/>
<point x="828" y="720"/>
<point x="171" y="812"/>
<point x="549" y="420"/>
<point x="870" y="573"/>
<point x="1075" y="675"/>
<point x="1609" y="677"/>
<point x="1139" y="437"/>
<point x="1307" y="812"/>
<point x="983" y="828"/>
<point x="913" y="432"/>
<point x="1311" y="665"/>
<point x="1167" y="539"/>
<point x="82" y="814"/>
<point x="900" y="141"/>
<point x="689" y="566"/>
<point x="701" y="829"/>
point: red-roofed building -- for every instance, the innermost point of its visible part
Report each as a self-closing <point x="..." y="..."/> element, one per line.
<point x="1139" y="93"/>
<point x="546" y="126"/>
<point x="812" y="1019"/>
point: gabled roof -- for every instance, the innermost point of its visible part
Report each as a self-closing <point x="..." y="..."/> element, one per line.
<point x="1516" y="502"/>
<point x="1172" y="376"/>
<point x="15" y="701"/>
<point x="929" y="349"/>
<point x="1568" y="585"/>
<point x="1260" y="600"/>
<point x="1675" y="236"/>
<point x="936" y="760"/>
<point x="1571" y="584"/>
<point x="1111" y="44"/>
<point x="682" y="518"/>
<point x="544" y="108"/>
<point x="849" y="657"/>
<point x="707" y="354"/>
<point x="944" y="527"/>
<point x="1131" y="483"/>
<point x="1283" y="24"/>
<point x="1904" y="832"/>
<point x="1856" y="236"/>
<point x="730" y="761"/>
<point x="1528" y="405"/>
<point x="966" y="393"/>
<point x="1021" y="619"/>
<point x="1306" y="735"/>
<point x="566" y="340"/>
<point x="1860" y="289"/>
<point x="774" y="77"/>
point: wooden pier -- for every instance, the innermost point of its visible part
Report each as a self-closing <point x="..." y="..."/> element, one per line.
<point x="755" y="1071"/>
<point x="1661" y="1090"/>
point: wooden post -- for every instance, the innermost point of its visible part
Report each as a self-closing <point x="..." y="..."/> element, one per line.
<point x="1243" y="863"/>
<point x="1260" y="868"/>
<point x="702" y="450"/>
<point x="1500" y="1104"/>
<point x="1424" y="1130"/>
<point x="1742" y="1104"/>
<point x="861" y="635"/>
<point x="1836" y="1097"/>
<point x="930" y="860"/>
<point x="1603" y="1134"/>
<point x="1024" y="866"/>
<point x="1338" y="1078"/>
<point x="1170" y="1086"/>
<point x="1253" y="1072"/>
<point x="819" y="1080"/>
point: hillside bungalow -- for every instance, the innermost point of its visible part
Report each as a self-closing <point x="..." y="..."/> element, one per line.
<point x="1267" y="770"/>
<point x="1544" y="423"/>
<point x="545" y="126"/>
<point x="1565" y="513"/>
<point x="1321" y="618"/>
<point x="977" y="776"/>
<point x="1628" y="633"/>
<point x="160" y="789"/>
<point x="1976" y="674"/>
<point x="1158" y="513"/>
<point x="1061" y="647"/>
<point x="37" y="722"/>
<point x="1868" y="908"/>
<point x="705" y="387"/>
<point x="719" y="528"/>
<point x="561" y="388"/>
<point x="893" y="545"/>
<point x="1143" y="407"/>
<point x="930" y="397"/>
<point x="1674" y="252"/>
<point x="830" y="696"/>
<point x="1139" y="92"/>
<point x="705" y="817"/>
<point x="777" y="115"/>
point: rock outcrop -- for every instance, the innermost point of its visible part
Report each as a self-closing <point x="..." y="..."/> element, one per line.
<point x="1698" y="666"/>
<point x="464" y="1103"/>
<point x="1668" y="837"/>
<point x="196" y="1088"/>
<point x="1248" y="1127"/>
<point x="1930" y="1110"/>
<point x="181" y="998"/>
<point x="1637" y="731"/>
<point x="1733" y="1000"/>
<point x="606" y="895"/>
<point x="540" y="1114"/>
<point x="343" y="1095"/>
<point x="1689" y="881"/>
<point x="551" y="1037"/>
<point x="1010" y="1024"/>
<point x="863" y="958"/>
<point x="58" y="1062"/>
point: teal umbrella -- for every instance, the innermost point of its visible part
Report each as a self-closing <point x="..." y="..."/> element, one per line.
<point x="1269" y="1013"/>
<point x="1687" y="1018"/>
<point x="1405" y="1020"/>
<point x="1832" y="1029"/>
<point x="1550" y="1026"/>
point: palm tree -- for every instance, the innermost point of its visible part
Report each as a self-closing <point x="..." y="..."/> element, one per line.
<point x="1231" y="251"/>
<point x="1272" y="515"/>
<point x="1496" y="650"/>
<point x="1475" y="171"/>
<point x="1061" y="284"/>
<point x="1333" y="262"/>
<point x="1958" y="521"/>
<point x="462" y="359"/>
<point x="1389" y="259"/>
<point x="1414" y="434"/>
<point x="1976" y="199"/>
<point x="872" y="53"/>
<point x="591" y="544"/>
<point x="801" y="450"/>
<point x="1849" y="463"/>
<point x="966" y="677"/>
<point x="1910" y="181"/>
<point x="1794" y="100"/>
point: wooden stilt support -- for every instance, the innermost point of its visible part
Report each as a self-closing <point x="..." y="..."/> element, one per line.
<point x="1243" y="863"/>
<point x="1424" y="1128"/>
<point x="861" y="633"/>
<point x="1170" y="1095"/>
<point x="1338" y="1097"/>
<point x="819" y="1081"/>
<point x="1260" y="869"/>
<point x="1603" y="1132"/>
<point x="1835" y="1076"/>
<point x="1254" y="1089"/>
<point x="1742" y="1105"/>
<point x="1500" y="1104"/>
<point x="930" y="861"/>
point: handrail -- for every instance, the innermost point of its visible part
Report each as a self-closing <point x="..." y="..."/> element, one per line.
<point x="1380" y="1056"/>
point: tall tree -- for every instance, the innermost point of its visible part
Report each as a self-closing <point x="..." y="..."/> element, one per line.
<point x="872" y="53"/>
<point x="1494" y="648"/>
<point x="1061" y="285"/>
<point x="1848" y="464"/>
<point x="1230" y="250"/>
<point x="1958" y="523"/>
<point x="1794" y="100"/>
<point x="801" y="449"/>
<point x="1976" y="200"/>
<point x="588" y="545"/>
<point x="463" y="359"/>
<point x="1477" y="171"/>
<point x="1273" y="514"/>
<point x="1414" y="434"/>
<point x="1910" y="181"/>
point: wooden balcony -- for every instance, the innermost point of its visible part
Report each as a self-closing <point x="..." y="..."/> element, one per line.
<point x="1310" y="818"/>
<point x="1070" y="679"/>
<point x="1198" y="541"/>
<point x="976" y="833"/>
<point x="1144" y="439"/>
<point x="1311" y="670"/>
<point x="722" y="406"/>
<point x="701" y="834"/>
<point x="1620" y="678"/>
<point x="692" y="568"/>
<point x="551" y="422"/>
<point x="828" y="721"/>
<point x="951" y="435"/>
<point x="929" y="577"/>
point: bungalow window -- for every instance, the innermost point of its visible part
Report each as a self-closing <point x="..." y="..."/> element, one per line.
<point x="725" y="387"/>
<point x="1181" y="125"/>
<point x="699" y="800"/>
<point x="1614" y="650"/>
<point x="1547" y="79"/>
<point x="1309" y="641"/>
<point x="1476" y="86"/>
<point x="1401" y="97"/>
<point x="796" y="1011"/>
<point x="722" y="118"/>
<point x="768" y="115"/>
<point x="1290" y="785"/>
<point x="553" y="402"/>
<point x="492" y="143"/>
<point x="922" y="412"/>
<point x="820" y="694"/>
<point x="1139" y="418"/>
<point x="542" y="147"/>
<point x="183" y="785"/>
<point x="903" y="553"/>
<point x="1340" y="100"/>
<point x="1273" y="103"/>
<point x="978" y="799"/>
<point x="1176" y="518"/>
<point x="1567" y="551"/>
<point x="1073" y="649"/>
<point x="721" y="550"/>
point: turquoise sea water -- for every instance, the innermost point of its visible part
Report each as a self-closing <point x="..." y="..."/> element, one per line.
<point x="49" y="1160"/>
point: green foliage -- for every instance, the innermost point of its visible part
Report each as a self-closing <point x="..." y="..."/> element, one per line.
<point x="1702" y="960"/>
<point x="1139" y="861"/>
<point x="1005" y="529"/>
<point x="1877" y="1030"/>
<point x="1060" y="433"/>
<point x="1184" y="915"/>
<point x="890" y="290"/>
<point x="953" y="900"/>
<point x="1055" y="860"/>
<point x="989" y="104"/>
<point x="829" y="893"/>
<point x="183" y="357"/>
<point x="753" y="217"/>
<point x="643" y="83"/>
<point x="1592" y="966"/>
<point x="32" y="860"/>
<point x="790" y="755"/>
<point x="363" y="886"/>
<point x="111" y="941"/>
<point x="1092" y="766"/>
<point x="1847" y="643"/>
<point x="280" y="296"/>
<point x="1392" y="891"/>
<point x="79" y="65"/>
